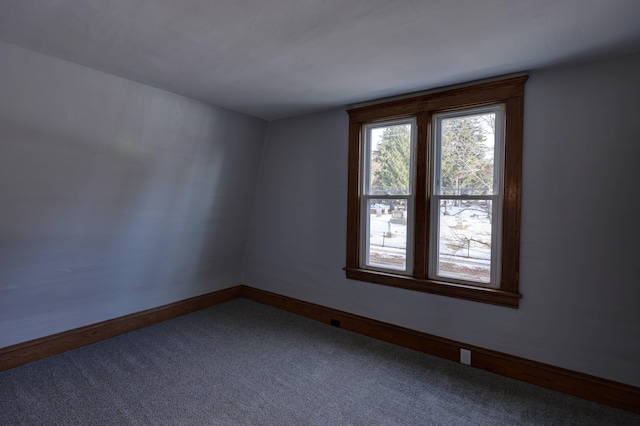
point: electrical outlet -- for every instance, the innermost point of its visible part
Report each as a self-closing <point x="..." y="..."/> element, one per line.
<point x="465" y="356"/>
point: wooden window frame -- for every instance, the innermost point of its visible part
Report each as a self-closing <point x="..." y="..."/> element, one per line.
<point x="510" y="93"/>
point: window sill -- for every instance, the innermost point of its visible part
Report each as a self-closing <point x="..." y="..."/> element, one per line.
<point x="460" y="291"/>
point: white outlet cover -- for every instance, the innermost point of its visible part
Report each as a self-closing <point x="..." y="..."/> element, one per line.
<point x="465" y="356"/>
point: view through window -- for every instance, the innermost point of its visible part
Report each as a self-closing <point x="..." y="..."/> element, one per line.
<point x="388" y="194"/>
<point x="467" y="195"/>
<point x="434" y="192"/>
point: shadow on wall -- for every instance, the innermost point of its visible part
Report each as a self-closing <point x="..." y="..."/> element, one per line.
<point x="91" y="230"/>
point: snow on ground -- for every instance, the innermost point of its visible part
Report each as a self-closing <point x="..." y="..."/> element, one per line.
<point x="465" y="242"/>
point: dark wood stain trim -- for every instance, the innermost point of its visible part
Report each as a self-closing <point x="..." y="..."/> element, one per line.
<point x="582" y="385"/>
<point x="353" y="201"/>
<point x="33" y="350"/>
<point x="421" y="220"/>
<point x="479" y="94"/>
<point x="509" y="92"/>
<point x="460" y="291"/>
<point x="511" y="209"/>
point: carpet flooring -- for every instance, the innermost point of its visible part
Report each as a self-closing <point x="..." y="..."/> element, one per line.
<point x="242" y="363"/>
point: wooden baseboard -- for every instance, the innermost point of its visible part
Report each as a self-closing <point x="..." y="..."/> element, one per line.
<point x="33" y="350"/>
<point x="582" y="385"/>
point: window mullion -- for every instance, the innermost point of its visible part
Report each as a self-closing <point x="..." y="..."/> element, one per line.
<point x="421" y="224"/>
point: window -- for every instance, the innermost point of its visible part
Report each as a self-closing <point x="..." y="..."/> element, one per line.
<point x="434" y="192"/>
<point x="388" y="195"/>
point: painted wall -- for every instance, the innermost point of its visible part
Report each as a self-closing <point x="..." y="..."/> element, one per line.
<point x="115" y="197"/>
<point x="580" y="272"/>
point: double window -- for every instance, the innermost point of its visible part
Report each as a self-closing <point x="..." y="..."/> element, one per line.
<point x="434" y="192"/>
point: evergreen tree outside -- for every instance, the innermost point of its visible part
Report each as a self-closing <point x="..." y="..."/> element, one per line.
<point x="466" y="160"/>
<point x="392" y="161"/>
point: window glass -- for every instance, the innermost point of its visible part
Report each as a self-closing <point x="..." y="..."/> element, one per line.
<point x="389" y="155"/>
<point x="466" y="189"/>
<point x="467" y="155"/>
<point x="386" y="245"/>
<point x="387" y="199"/>
<point x="465" y="240"/>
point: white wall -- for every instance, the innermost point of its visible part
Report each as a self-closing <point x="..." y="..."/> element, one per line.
<point x="580" y="273"/>
<point x="115" y="197"/>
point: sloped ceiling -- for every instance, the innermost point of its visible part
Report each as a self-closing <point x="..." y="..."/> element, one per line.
<point x="279" y="58"/>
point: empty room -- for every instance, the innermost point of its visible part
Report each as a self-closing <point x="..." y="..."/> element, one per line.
<point x="385" y="212"/>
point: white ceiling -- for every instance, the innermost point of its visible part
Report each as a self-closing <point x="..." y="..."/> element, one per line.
<point x="279" y="58"/>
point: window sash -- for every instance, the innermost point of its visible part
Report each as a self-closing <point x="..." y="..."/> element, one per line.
<point x="365" y="234"/>
<point x="368" y="149"/>
<point x="496" y="238"/>
<point x="366" y="196"/>
<point x="496" y="198"/>
<point x="498" y="149"/>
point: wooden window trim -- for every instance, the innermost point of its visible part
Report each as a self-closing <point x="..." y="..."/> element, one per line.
<point x="509" y="92"/>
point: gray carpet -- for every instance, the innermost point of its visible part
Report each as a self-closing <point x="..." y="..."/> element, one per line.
<point x="242" y="363"/>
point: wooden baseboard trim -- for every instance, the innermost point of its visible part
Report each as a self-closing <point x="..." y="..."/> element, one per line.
<point x="593" y="388"/>
<point x="33" y="350"/>
<point x="585" y="386"/>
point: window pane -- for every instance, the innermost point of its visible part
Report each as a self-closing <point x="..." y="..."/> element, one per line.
<point x="387" y="230"/>
<point x="467" y="155"/>
<point x="464" y="240"/>
<point x="389" y="160"/>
